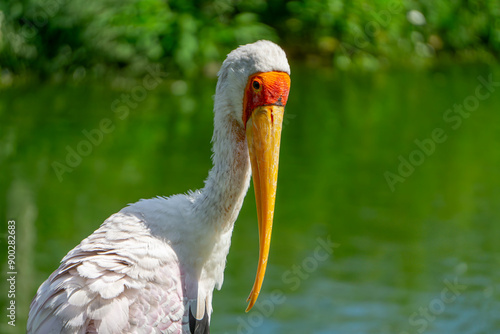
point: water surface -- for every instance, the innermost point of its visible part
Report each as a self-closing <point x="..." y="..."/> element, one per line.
<point x="351" y="252"/>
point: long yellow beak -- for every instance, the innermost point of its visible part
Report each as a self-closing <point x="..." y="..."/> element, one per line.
<point x="263" y="132"/>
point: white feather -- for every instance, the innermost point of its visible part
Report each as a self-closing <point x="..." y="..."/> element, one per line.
<point x="81" y="297"/>
<point x="89" y="269"/>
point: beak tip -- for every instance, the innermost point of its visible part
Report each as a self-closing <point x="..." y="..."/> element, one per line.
<point x="250" y="305"/>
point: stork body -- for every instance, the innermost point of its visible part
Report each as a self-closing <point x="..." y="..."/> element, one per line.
<point x="152" y="267"/>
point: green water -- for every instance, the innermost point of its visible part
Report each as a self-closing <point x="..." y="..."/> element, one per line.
<point x="407" y="191"/>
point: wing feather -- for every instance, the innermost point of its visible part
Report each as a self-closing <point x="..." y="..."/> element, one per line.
<point x="121" y="279"/>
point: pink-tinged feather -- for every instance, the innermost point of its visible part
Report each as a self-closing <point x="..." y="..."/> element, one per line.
<point x="81" y="297"/>
<point x="89" y="270"/>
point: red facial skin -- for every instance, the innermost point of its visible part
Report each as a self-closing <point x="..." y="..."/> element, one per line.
<point x="265" y="89"/>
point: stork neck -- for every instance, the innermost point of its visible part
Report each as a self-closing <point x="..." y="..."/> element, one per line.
<point x="229" y="179"/>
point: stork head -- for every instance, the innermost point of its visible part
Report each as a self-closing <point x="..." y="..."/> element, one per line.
<point x="240" y="67"/>
<point x="253" y="88"/>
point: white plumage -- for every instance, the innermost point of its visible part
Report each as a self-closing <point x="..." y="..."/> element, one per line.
<point x="149" y="264"/>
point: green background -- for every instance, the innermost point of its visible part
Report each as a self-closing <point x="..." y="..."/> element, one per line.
<point x="359" y="104"/>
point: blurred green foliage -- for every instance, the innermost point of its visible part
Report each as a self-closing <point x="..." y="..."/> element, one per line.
<point x="78" y="37"/>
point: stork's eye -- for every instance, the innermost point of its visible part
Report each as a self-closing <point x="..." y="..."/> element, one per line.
<point x="256" y="85"/>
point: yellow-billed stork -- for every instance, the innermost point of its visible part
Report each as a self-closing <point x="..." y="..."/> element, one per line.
<point x="153" y="266"/>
